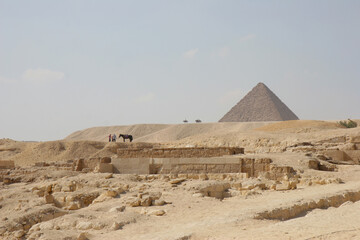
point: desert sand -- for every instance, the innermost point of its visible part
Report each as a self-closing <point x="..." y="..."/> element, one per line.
<point x="44" y="198"/>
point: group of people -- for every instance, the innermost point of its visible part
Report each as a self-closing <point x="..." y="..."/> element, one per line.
<point x="112" y="138"/>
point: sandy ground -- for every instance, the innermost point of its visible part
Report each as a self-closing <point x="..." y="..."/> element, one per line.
<point x="323" y="206"/>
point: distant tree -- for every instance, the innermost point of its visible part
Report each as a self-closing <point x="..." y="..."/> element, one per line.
<point x="348" y="124"/>
<point x="185" y="121"/>
<point x="198" y="120"/>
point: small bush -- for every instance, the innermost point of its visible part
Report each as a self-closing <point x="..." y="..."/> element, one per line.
<point x="348" y="124"/>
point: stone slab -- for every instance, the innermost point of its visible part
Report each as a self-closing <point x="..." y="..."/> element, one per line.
<point x="7" y="164"/>
<point x="354" y="155"/>
<point x="355" y="139"/>
<point x="131" y="165"/>
<point x="106" y="168"/>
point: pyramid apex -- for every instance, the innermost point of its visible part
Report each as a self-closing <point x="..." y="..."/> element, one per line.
<point x="260" y="84"/>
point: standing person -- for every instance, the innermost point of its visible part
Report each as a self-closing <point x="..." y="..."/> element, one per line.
<point x="114" y="138"/>
<point x="109" y="137"/>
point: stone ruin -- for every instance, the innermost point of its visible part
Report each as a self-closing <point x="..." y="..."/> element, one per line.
<point x="217" y="160"/>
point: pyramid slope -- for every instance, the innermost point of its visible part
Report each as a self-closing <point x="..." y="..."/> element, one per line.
<point x="260" y="104"/>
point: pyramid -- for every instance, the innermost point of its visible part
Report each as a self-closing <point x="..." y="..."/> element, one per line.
<point x="259" y="105"/>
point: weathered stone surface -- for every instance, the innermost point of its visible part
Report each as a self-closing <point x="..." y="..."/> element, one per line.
<point x="313" y="164"/>
<point x="157" y="212"/>
<point x="286" y="185"/>
<point x="105" y="196"/>
<point x="213" y="189"/>
<point x="74" y="200"/>
<point x="117" y="209"/>
<point x="105" y="160"/>
<point x="83" y="236"/>
<point x="177" y="181"/>
<point x="49" y="198"/>
<point x="355" y="139"/>
<point x="178" y="152"/>
<point x="7" y="164"/>
<point x="84" y="225"/>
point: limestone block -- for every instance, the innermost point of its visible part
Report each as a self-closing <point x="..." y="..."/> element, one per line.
<point x="49" y="198"/>
<point x="73" y="206"/>
<point x="216" y="190"/>
<point x="348" y="146"/>
<point x="46" y="226"/>
<point x="203" y="176"/>
<point x="105" y="168"/>
<point x="283" y="186"/>
<point x="198" y="195"/>
<point x="107" y="195"/>
<point x="336" y="155"/>
<point x="19" y="234"/>
<point x="98" y="226"/>
<point x="155" y="195"/>
<point x="157" y="212"/>
<point x="110" y="193"/>
<point x="216" y="176"/>
<point x="236" y="185"/>
<point x="177" y="181"/>
<point x="353" y="155"/>
<point x="252" y="183"/>
<point x="78" y="164"/>
<point x="183" y="175"/>
<point x="193" y="176"/>
<point x="355" y="139"/>
<point x="83" y="236"/>
<point x="84" y="225"/>
<point x="313" y="164"/>
<point x="109" y="176"/>
<point x="7" y="164"/>
<point x="158" y="203"/>
<point x="105" y="160"/>
<point x="293" y="185"/>
<point x="131" y="165"/>
<point x="38" y="192"/>
<point x="133" y="202"/>
<point x="117" y="209"/>
<point x="116" y="226"/>
<point x="146" y="201"/>
<point x="321" y="157"/>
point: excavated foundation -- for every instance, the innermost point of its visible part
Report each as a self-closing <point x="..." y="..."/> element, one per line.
<point x="300" y="209"/>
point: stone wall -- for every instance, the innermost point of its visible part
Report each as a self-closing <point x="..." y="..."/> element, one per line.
<point x="131" y="165"/>
<point x="343" y="156"/>
<point x="252" y="167"/>
<point x="249" y="166"/>
<point x="93" y="164"/>
<point x="177" y="152"/>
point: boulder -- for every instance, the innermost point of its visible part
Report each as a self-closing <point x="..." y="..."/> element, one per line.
<point x="105" y="160"/>
<point x="157" y="212"/>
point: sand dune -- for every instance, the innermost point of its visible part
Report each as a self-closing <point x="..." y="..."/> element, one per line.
<point x="163" y="132"/>
<point x="297" y="125"/>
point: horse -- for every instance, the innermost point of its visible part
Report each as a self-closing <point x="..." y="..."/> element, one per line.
<point x="126" y="136"/>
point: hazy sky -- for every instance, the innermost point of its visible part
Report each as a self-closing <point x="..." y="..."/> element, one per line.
<point x="74" y="64"/>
